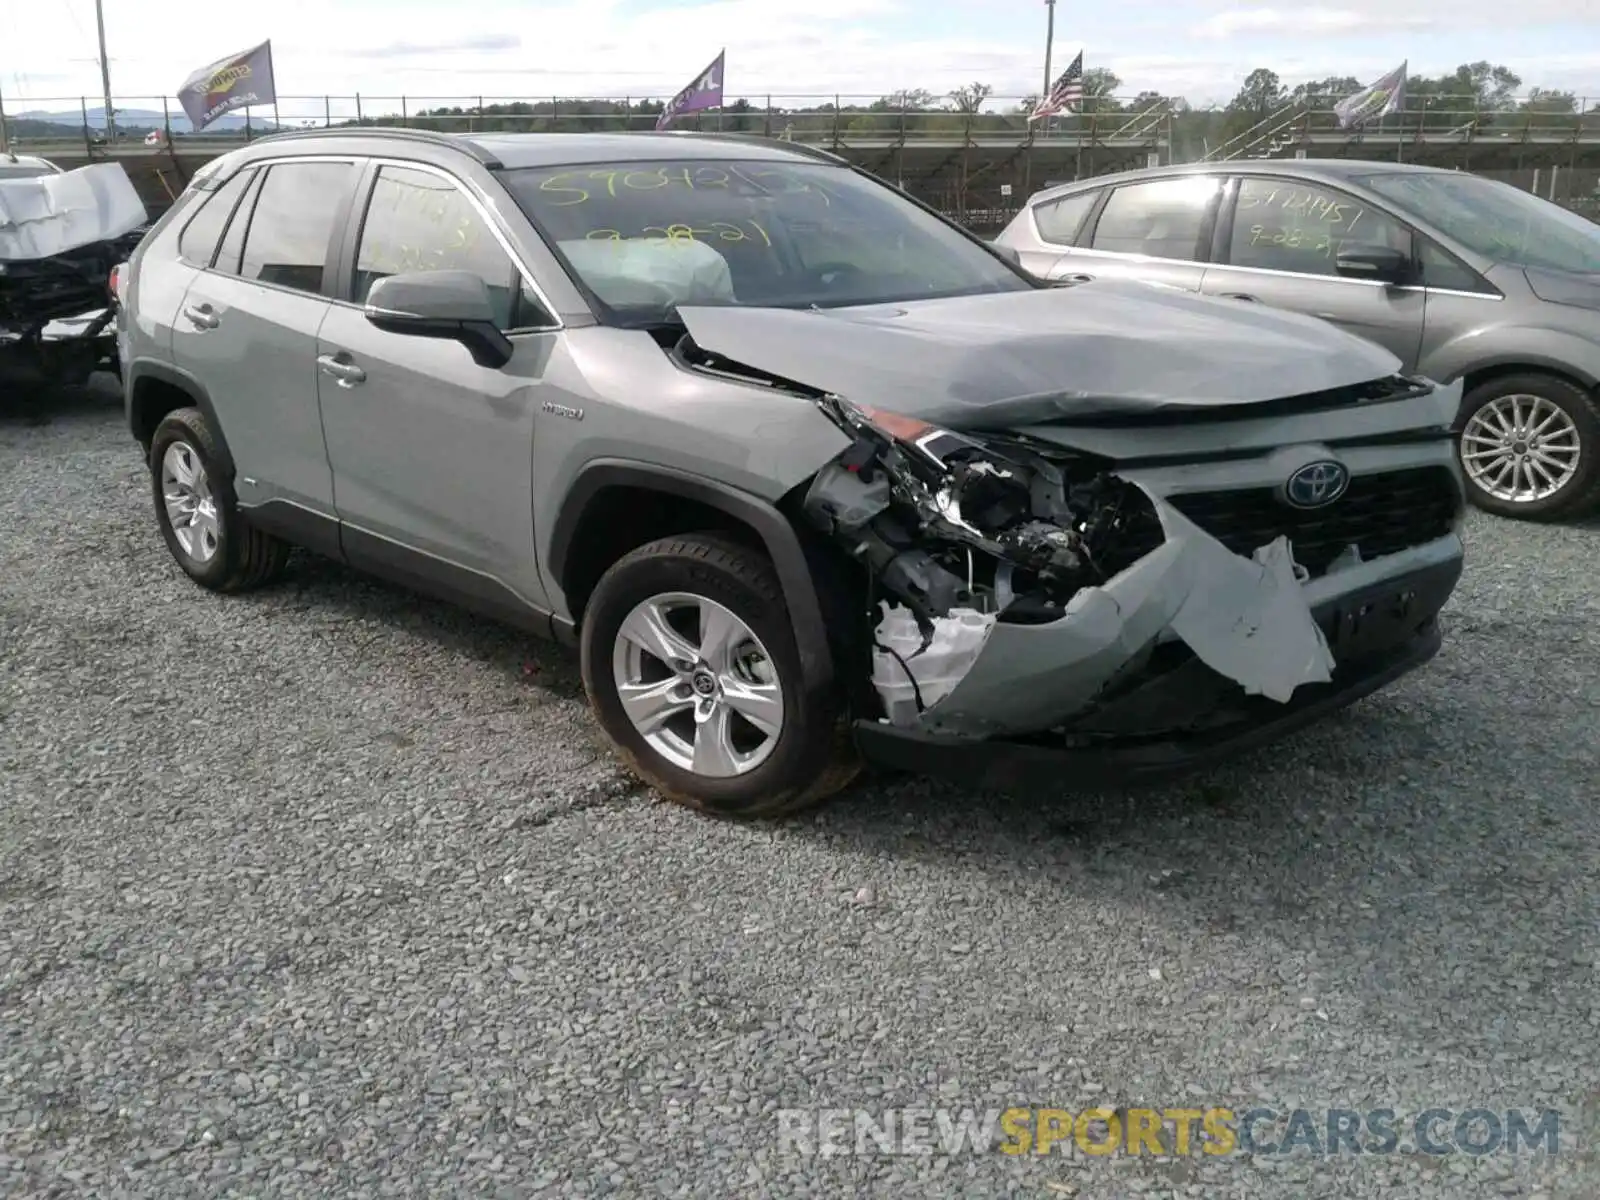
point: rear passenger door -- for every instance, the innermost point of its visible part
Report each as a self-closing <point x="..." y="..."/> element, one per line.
<point x="1278" y="245"/>
<point x="249" y="322"/>
<point x="1155" y="230"/>
<point x="163" y="278"/>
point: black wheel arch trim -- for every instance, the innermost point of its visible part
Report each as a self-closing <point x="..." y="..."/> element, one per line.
<point x="778" y="536"/>
<point x="179" y="378"/>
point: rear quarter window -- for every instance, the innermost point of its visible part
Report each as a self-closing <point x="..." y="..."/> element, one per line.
<point x="1059" y="221"/>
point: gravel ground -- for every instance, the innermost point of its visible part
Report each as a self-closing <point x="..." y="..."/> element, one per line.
<point x="330" y="891"/>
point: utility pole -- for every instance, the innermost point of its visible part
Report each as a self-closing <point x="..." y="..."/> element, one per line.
<point x="105" y="74"/>
<point x="1049" y="43"/>
<point x="5" y="137"/>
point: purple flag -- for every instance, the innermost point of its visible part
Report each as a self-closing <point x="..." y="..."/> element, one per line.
<point x="705" y="92"/>
<point x="238" y="81"/>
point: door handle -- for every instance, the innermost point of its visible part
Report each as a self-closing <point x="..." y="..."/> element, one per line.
<point x="202" y="316"/>
<point x="346" y="372"/>
<point x="1240" y="296"/>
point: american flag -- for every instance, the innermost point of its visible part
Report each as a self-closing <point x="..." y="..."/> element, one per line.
<point x="1067" y="91"/>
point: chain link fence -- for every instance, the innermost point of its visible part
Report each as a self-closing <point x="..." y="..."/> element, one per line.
<point x="1575" y="188"/>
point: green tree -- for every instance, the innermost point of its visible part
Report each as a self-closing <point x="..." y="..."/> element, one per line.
<point x="1100" y="88"/>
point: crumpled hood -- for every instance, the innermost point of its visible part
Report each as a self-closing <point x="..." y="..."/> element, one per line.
<point x="1053" y="354"/>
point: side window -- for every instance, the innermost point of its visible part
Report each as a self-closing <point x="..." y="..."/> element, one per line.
<point x="1059" y="221"/>
<point x="231" y="251"/>
<point x="198" y="241"/>
<point x="1286" y="225"/>
<point x="1441" y="269"/>
<point x="417" y="221"/>
<point x="293" y="223"/>
<point x="1163" y="218"/>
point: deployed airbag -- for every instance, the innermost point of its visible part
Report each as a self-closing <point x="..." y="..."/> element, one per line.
<point x="52" y="214"/>
<point x="630" y="272"/>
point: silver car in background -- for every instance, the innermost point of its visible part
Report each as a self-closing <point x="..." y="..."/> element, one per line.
<point x="1461" y="277"/>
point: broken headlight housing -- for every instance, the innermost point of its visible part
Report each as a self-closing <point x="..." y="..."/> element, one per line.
<point x="992" y="523"/>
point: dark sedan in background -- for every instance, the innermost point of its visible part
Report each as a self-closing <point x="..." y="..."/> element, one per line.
<point x="1459" y="276"/>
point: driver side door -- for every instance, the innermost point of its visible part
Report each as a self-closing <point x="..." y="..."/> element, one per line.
<point x="431" y="453"/>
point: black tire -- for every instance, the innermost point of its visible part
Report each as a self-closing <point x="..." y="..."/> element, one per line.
<point x="245" y="558"/>
<point x="1581" y="494"/>
<point x="813" y="756"/>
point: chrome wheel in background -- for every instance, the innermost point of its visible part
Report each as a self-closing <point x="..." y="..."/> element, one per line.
<point x="1521" y="448"/>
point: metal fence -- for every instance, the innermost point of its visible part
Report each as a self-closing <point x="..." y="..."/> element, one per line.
<point x="1577" y="188"/>
<point x="1547" y="145"/>
<point x="1221" y="132"/>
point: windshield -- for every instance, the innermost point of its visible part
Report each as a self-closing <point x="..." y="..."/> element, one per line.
<point x="1498" y="221"/>
<point x="645" y="236"/>
<point x="22" y="171"/>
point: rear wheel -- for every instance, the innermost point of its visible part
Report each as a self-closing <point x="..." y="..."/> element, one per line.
<point x="198" y="515"/>
<point x="1530" y="447"/>
<point x="690" y="663"/>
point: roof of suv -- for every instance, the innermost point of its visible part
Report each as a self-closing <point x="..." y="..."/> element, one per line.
<point x="1294" y="168"/>
<point x="563" y="149"/>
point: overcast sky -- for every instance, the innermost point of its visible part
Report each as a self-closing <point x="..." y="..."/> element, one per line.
<point x="436" y="49"/>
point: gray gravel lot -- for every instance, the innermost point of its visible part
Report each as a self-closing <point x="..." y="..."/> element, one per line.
<point x="330" y="891"/>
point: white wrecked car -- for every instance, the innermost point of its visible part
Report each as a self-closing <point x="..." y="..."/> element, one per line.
<point x="61" y="235"/>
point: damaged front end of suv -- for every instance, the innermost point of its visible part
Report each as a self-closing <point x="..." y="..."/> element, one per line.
<point x="1113" y="585"/>
<point x="966" y="535"/>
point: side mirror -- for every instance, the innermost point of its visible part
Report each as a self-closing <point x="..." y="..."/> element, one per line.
<point x="1382" y="264"/>
<point x="454" y="305"/>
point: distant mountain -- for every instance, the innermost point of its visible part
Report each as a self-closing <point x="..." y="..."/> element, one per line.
<point x="131" y="119"/>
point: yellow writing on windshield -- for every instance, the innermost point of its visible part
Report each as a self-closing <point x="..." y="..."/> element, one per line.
<point x="1290" y="238"/>
<point x="579" y="187"/>
<point x="719" y="231"/>
<point x="1304" y="204"/>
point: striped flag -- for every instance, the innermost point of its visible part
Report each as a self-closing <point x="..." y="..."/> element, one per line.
<point x="1067" y="91"/>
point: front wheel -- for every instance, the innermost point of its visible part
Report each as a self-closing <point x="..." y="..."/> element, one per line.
<point x="1530" y="447"/>
<point x="690" y="663"/>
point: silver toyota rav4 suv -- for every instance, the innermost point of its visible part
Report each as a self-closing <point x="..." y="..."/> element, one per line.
<point x="809" y="475"/>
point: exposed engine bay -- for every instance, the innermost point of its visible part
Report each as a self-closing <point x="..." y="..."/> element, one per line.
<point x="963" y="536"/>
<point x="914" y="503"/>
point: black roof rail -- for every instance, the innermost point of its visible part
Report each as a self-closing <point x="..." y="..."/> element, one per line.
<point x="804" y="149"/>
<point x="432" y="137"/>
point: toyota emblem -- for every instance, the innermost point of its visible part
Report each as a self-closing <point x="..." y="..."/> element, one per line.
<point x="1316" y="484"/>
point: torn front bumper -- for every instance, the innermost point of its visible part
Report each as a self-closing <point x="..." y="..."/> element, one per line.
<point x="1165" y="711"/>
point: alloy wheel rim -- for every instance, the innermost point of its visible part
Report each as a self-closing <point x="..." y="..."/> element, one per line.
<point x="698" y="685"/>
<point x="1521" y="449"/>
<point x="191" y="508"/>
